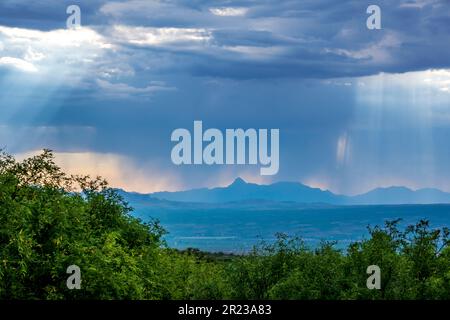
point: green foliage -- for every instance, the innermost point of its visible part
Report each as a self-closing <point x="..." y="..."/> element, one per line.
<point x="49" y="221"/>
<point x="46" y="226"/>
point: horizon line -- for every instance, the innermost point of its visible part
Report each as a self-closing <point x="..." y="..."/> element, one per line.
<point x="286" y="181"/>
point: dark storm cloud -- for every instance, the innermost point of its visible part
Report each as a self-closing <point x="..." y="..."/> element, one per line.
<point x="144" y="68"/>
<point x="46" y="14"/>
<point x="299" y="38"/>
<point x="320" y="38"/>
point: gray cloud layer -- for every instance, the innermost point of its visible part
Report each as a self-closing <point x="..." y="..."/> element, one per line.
<point x="139" y="69"/>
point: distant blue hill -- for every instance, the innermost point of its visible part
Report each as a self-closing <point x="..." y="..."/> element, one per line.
<point x="401" y="195"/>
<point x="240" y="191"/>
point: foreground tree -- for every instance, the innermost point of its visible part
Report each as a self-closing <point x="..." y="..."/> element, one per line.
<point x="49" y="220"/>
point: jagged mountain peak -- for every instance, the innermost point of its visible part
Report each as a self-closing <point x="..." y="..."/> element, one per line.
<point x="238" y="182"/>
<point x="240" y="190"/>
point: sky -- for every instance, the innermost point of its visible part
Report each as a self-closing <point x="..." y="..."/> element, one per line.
<point x="356" y="108"/>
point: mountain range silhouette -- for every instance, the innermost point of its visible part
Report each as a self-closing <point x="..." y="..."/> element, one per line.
<point x="240" y="190"/>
